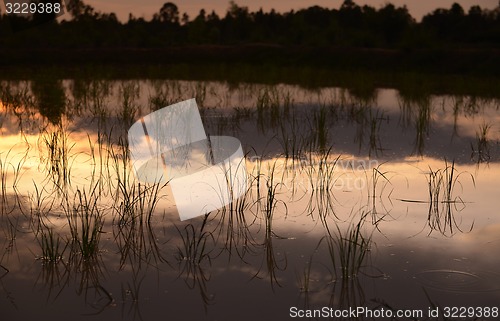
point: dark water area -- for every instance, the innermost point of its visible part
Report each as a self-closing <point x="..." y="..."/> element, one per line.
<point x="470" y="61"/>
<point x="380" y="201"/>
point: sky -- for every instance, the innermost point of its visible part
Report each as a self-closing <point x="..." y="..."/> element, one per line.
<point x="146" y="8"/>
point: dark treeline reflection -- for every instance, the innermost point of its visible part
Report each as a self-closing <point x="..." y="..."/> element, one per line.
<point x="349" y="25"/>
<point x="49" y="97"/>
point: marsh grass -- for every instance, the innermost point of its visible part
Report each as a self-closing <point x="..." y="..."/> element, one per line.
<point x="416" y="111"/>
<point x="160" y="98"/>
<point x="4" y="272"/>
<point x="167" y="92"/>
<point x="10" y="230"/>
<point x="322" y="176"/>
<point x="200" y="93"/>
<point x="193" y="247"/>
<point x="133" y="205"/>
<point x="272" y="107"/>
<point x="134" y="232"/>
<point x="138" y="244"/>
<point x="292" y="143"/>
<point x="422" y="127"/>
<point x="135" y="202"/>
<point x="375" y="144"/>
<point x="347" y="293"/>
<point x="52" y="246"/>
<point x="276" y="261"/>
<point x="320" y="128"/>
<point x="378" y="183"/>
<point x="348" y="249"/>
<point x="99" y="161"/>
<point x="233" y="225"/>
<point x="268" y="107"/>
<point x="304" y="279"/>
<point x="131" y="293"/>
<point x="443" y="199"/>
<point x="138" y="202"/>
<point x="326" y="171"/>
<point x="18" y="101"/>
<point x="98" y="92"/>
<point x="481" y="150"/>
<point x="85" y="221"/>
<point x="270" y="200"/>
<point x="52" y="277"/>
<point x="194" y="256"/>
<point x="267" y="205"/>
<point x="129" y="93"/>
<point x="41" y="202"/>
<point x="321" y="170"/>
<point x="15" y="95"/>
<point x="132" y="208"/>
<point x="10" y="174"/>
<point x="85" y="276"/>
<point x="368" y="121"/>
<point x="55" y="148"/>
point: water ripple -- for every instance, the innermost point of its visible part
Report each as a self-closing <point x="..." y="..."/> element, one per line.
<point x="460" y="281"/>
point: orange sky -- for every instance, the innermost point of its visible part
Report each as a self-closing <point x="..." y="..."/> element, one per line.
<point x="146" y="8"/>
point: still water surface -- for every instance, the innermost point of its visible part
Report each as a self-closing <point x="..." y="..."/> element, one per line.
<point x="378" y="200"/>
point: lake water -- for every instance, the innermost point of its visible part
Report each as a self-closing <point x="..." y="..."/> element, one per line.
<point x="378" y="200"/>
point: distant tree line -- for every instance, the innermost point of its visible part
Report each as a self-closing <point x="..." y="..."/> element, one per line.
<point x="351" y="25"/>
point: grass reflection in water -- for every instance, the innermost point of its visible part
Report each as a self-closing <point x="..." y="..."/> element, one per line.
<point x="308" y="221"/>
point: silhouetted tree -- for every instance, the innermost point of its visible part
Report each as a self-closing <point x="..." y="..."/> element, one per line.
<point x="169" y="13"/>
<point x="78" y="9"/>
<point x="394" y="22"/>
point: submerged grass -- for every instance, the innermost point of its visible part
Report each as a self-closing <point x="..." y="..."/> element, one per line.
<point x="305" y="278"/>
<point x="194" y="258"/>
<point x="52" y="245"/>
<point x="194" y="248"/>
<point x="443" y="199"/>
<point x="272" y="107"/>
<point x="85" y="220"/>
<point x="292" y="143"/>
<point x="55" y="149"/>
<point x="10" y="175"/>
<point x="232" y="225"/>
<point x="320" y="128"/>
<point x="322" y="176"/>
<point x="270" y="200"/>
<point x="481" y="151"/>
<point x="348" y="249"/>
